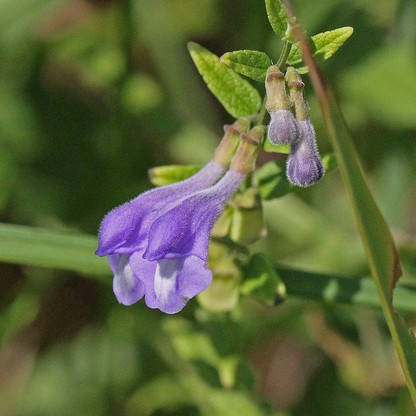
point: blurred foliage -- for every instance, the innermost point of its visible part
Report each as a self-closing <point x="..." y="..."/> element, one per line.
<point x="95" y="93"/>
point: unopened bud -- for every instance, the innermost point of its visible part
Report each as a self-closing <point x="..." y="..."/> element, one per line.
<point x="283" y="128"/>
<point x="277" y="98"/>
<point x="296" y="87"/>
<point x="245" y="157"/>
<point x="304" y="165"/>
<point x="229" y="143"/>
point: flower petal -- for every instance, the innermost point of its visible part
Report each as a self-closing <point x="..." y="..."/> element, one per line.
<point x="115" y="229"/>
<point x="124" y="230"/>
<point x="174" y="282"/>
<point x="127" y="287"/>
<point x="185" y="229"/>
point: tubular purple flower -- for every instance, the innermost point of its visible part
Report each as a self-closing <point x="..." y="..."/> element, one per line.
<point x="124" y="230"/>
<point x="157" y="244"/>
<point x="178" y="247"/>
<point x="185" y="229"/>
<point x="304" y="165"/>
<point x="171" y="269"/>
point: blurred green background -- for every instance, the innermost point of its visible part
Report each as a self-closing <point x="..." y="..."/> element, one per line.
<point x="93" y="94"/>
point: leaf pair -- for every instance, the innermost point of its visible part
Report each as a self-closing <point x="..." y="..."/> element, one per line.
<point x="254" y="64"/>
<point x="237" y="95"/>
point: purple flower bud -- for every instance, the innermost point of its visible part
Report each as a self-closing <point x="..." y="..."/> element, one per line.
<point x="283" y="128"/>
<point x="304" y="165"/>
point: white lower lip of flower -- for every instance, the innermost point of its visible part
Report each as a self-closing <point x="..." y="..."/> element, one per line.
<point x="165" y="279"/>
<point x="124" y="274"/>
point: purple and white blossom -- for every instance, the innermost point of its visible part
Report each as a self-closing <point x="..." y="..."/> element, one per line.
<point x="157" y="244"/>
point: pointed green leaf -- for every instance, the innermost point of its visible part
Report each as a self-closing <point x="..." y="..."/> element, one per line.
<point x="271" y="177"/>
<point x="46" y="248"/>
<point x="236" y="94"/>
<point x="277" y="17"/>
<point x="276" y="148"/>
<point x="262" y="281"/>
<point x="377" y="239"/>
<point x="253" y="64"/>
<point x="164" y="175"/>
<point x="325" y="43"/>
<point x="375" y="233"/>
<point x="344" y="289"/>
<point x="271" y="180"/>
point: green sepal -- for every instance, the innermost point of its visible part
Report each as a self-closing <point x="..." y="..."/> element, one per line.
<point x="325" y="45"/>
<point x="329" y="161"/>
<point x="252" y="64"/>
<point x="262" y="281"/>
<point x="236" y="94"/>
<point x="165" y="175"/>
<point x="271" y="177"/>
<point x="271" y="180"/>
<point x="247" y="221"/>
<point x="276" y="148"/>
<point x="277" y="16"/>
<point x="223" y="293"/>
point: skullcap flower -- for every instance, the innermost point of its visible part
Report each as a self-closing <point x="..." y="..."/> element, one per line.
<point x="124" y="230"/>
<point x="157" y="244"/>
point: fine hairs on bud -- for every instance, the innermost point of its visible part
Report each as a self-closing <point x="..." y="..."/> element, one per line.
<point x="304" y="165"/>
<point x="282" y="128"/>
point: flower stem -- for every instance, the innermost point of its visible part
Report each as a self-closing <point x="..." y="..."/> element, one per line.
<point x="281" y="63"/>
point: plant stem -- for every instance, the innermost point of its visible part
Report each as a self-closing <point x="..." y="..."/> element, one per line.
<point x="281" y="63"/>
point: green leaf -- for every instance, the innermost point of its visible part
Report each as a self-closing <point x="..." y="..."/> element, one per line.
<point x="253" y="64"/>
<point x="325" y="43"/>
<point x="223" y="293"/>
<point x="276" y="148"/>
<point x="164" y="175"/>
<point x="343" y="289"/>
<point x="45" y="248"/>
<point x="236" y="94"/>
<point x="271" y="180"/>
<point x="375" y="233"/>
<point x="271" y="177"/>
<point x="262" y="281"/>
<point x="277" y="17"/>
<point x="186" y="387"/>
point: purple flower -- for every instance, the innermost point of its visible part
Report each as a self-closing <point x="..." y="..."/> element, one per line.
<point x="283" y="128"/>
<point x="124" y="229"/>
<point x="157" y="244"/>
<point x="304" y="165"/>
